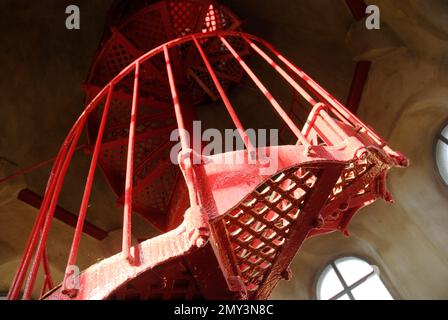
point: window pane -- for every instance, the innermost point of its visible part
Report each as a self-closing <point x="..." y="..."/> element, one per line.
<point x="329" y="284"/>
<point x="353" y="269"/>
<point x="372" y="289"/>
<point x="344" y="297"/>
<point x="442" y="160"/>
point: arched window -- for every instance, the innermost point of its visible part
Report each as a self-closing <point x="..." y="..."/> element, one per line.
<point x="351" y="278"/>
<point x="442" y="154"/>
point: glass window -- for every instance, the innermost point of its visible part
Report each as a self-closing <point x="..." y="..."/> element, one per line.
<point x="351" y="278"/>
<point x="442" y="154"/>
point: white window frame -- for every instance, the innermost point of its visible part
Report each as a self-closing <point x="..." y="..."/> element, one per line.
<point x="347" y="289"/>
<point x="440" y="138"/>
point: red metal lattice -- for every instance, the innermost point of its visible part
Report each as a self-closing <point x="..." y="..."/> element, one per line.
<point x="258" y="228"/>
<point x="234" y="228"/>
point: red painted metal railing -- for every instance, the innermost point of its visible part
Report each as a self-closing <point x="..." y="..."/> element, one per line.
<point x="256" y="225"/>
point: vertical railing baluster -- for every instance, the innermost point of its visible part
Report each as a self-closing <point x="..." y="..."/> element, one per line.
<point x="268" y="96"/>
<point x="297" y="87"/>
<point x="224" y="98"/>
<point x="337" y="108"/>
<point x="50" y="213"/>
<point x="127" y="215"/>
<point x="86" y="196"/>
<point x="184" y="140"/>
<point x="281" y="71"/>
<point x="19" y="277"/>
<point x="177" y="109"/>
<point x="48" y="281"/>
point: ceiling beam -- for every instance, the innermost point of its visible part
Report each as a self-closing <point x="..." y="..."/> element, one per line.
<point x="358" y="10"/>
<point x="358" y="83"/>
<point x="35" y="200"/>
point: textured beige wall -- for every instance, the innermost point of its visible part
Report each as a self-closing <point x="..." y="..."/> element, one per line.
<point x="406" y="101"/>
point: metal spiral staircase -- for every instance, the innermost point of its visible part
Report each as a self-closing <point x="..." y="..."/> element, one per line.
<point x="230" y="230"/>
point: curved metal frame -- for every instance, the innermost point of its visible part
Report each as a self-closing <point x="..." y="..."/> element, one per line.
<point x="329" y="120"/>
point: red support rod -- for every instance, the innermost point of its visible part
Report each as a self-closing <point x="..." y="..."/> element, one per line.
<point x="268" y="95"/>
<point x="48" y="209"/>
<point x="48" y="281"/>
<point x="224" y="98"/>
<point x="282" y="72"/>
<point x="49" y="214"/>
<point x="194" y="201"/>
<point x="177" y="109"/>
<point x="127" y="215"/>
<point x="17" y="282"/>
<point x="88" y="188"/>
<point x="335" y="104"/>
<point x="44" y="287"/>
<point x="336" y="107"/>
<point x="32" y="240"/>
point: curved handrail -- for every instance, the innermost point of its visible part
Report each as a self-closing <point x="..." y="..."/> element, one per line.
<point x="333" y="103"/>
<point x="43" y="222"/>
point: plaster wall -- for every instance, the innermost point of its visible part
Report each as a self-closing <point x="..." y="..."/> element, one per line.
<point x="405" y="100"/>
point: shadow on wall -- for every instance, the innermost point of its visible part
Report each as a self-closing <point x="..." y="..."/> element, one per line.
<point x="419" y="190"/>
<point x="317" y="253"/>
<point x="406" y="240"/>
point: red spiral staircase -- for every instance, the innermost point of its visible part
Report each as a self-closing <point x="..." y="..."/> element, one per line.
<point x="230" y="230"/>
